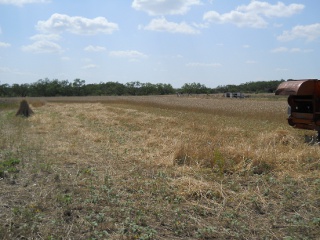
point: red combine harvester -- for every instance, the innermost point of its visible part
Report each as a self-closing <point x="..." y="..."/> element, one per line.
<point x="304" y="103"/>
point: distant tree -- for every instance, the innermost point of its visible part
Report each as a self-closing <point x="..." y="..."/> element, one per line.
<point x="54" y="88"/>
<point x="5" y="90"/>
<point x="163" y="89"/>
<point x="78" y="87"/>
<point x="118" y="88"/>
<point x="250" y="87"/>
<point x="39" y="88"/>
<point x="194" y="88"/>
<point x="133" y="87"/>
<point x="112" y="88"/>
<point x="66" y="88"/>
<point x="93" y="89"/>
<point x="46" y="87"/>
<point x="147" y="89"/>
<point x="19" y="90"/>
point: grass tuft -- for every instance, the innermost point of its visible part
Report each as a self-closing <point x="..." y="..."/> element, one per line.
<point x="37" y="103"/>
<point x="8" y="166"/>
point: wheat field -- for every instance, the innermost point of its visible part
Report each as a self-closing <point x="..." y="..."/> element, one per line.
<point x="157" y="167"/>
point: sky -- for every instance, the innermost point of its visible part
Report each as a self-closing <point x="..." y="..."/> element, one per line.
<point x="212" y="42"/>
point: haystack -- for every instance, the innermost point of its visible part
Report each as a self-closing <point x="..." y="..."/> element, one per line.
<point x="24" y="109"/>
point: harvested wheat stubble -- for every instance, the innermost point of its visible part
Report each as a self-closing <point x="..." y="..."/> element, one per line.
<point x="106" y="169"/>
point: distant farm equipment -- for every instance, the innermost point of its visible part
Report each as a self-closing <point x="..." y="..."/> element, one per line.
<point x="234" y="95"/>
<point x="304" y="103"/>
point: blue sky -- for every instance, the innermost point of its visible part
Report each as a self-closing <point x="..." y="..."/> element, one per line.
<point x="212" y="42"/>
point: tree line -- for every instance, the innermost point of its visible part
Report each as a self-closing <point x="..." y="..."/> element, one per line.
<point x="251" y="87"/>
<point x="50" y="88"/>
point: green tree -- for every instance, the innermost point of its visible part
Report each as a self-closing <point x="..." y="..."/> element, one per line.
<point x="133" y="87"/>
<point x="5" y="90"/>
<point x="112" y="88"/>
<point x="147" y="89"/>
<point x="19" y="90"/>
<point x="194" y="88"/>
<point x="251" y="87"/>
<point x="78" y="87"/>
<point x="163" y="89"/>
<point x="39" y="88"/>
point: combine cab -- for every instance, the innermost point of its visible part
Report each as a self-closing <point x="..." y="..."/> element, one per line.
<point x="304" y="103"/>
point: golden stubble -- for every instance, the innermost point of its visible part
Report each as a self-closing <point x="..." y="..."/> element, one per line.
<point x="227" y="158"/>
<point x="87" y="133"/>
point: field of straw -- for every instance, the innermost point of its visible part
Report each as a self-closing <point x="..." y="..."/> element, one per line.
<point x="158" y="167"/>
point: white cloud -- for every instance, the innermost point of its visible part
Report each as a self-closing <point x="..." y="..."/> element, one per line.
<point x="296" y="50"/>
<point x="91" y="48"/>
<point x="240" y="19"/>
<point x="290" y="50"/>
<point x="59" y="23"/>
<point x="279" y="49"/>
<point x="269" y="10"/>
<point x="43" y="47"/>
<point x="15" y="71"/>
<point x="164" y="7"/>
<point x="309" y="32"/>
<point x="201" y="25"/>
<point x="162" y="25"/>
<point x="4" y="45"/>
<point x="254" y="14"/>
<point x="199" y="64"/>
<point x="90" y="66"/>
<point x="43" y="43"/>
<point x="131" y="54"/>
<point x="20" y="3"/>
<point x="45" y="37"/>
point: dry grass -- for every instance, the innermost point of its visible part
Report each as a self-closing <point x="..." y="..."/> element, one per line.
<point x="37" y="103"/>
<point x="157" y="168"/>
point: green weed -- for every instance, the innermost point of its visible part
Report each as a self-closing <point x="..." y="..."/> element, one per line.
<point x="219" y="161"/>
<point x="8" y="166"/>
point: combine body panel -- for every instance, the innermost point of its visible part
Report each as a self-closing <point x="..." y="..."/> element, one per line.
<point x="304" y="102"/>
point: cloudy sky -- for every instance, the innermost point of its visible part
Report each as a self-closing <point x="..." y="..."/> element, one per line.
<point x="212" y="42"/>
